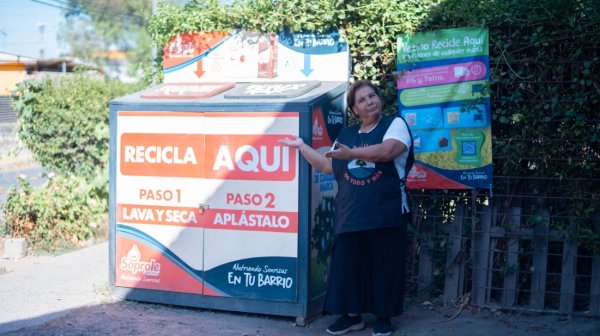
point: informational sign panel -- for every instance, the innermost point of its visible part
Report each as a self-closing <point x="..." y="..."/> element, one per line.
<point x="327" y="121"/>
<point x="242" y="56"/>
<point x="207" y="203"/>
<point x="443" y="78"/>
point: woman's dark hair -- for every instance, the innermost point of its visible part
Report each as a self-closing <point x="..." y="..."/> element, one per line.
<point x="351" y="92"/>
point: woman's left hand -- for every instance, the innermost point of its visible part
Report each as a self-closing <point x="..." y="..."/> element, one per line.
<point x="342" y="152"/>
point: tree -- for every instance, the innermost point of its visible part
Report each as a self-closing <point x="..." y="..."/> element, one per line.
<point x="100" y="30"/>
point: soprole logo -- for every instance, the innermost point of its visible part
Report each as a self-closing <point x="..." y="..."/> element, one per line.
<point x="132" y="263"/>
<point x="210" y="156"/>
<point x="317" y="130"/>
<point x="417" y="173"/>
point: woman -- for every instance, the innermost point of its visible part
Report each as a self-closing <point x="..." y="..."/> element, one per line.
<point x="370" y="162"/>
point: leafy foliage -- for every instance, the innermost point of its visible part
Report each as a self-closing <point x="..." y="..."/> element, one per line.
<point x="371" y="27"/>
<point x="64" y="123"/>
<point x="96" y="29"/>
<point x="58" y="216"/>
<point x="544" y="58"/>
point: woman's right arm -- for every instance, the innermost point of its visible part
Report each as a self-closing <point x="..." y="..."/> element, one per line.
<point x="316" y="159"/>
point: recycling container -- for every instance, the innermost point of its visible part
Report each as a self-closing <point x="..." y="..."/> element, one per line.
<point x="208" y="209"/>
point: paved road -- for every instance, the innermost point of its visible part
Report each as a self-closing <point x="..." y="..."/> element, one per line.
<point x="9" y="178"/>
<point x="39" y="292"/>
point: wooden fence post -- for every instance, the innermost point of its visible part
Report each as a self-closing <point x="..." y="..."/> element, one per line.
<point x="481" y="251"/>
<point x="595" y="281"/>
<point x="540" y="261"/>
<point x="567" y="278"/>
<point x="425" y="264"/>
<point x="454" y="261"/>
<point x="511" y="274"/>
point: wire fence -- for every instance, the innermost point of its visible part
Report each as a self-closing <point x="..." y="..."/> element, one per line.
<point x="507" y="250"/>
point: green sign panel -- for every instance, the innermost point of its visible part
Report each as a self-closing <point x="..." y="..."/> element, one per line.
<point x="443" y="80"/>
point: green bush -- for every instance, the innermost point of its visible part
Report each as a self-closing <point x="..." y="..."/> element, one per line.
<point x="59" y="215"/>
<point x="64" y="122"/>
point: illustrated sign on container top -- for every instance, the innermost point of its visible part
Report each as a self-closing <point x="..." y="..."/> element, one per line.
<point x="442" y="81"/>
<point x="242" y="56"/>
<point x="185" y="90"/>
<point x="271" y="90"/>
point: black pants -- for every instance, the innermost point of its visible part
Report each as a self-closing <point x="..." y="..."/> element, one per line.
<point x="367" y="271"/>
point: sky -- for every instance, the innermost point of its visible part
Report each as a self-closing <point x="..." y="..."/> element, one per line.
<point x="21" y="22"/>
<point x="20" y="28"/>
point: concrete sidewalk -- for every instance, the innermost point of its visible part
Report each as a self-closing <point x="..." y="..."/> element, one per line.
<point x="39" y="292"/>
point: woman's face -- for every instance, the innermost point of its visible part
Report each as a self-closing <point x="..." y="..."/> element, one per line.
<point x="367" y="104"/>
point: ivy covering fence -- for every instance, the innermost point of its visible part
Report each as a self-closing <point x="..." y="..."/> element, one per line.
<point x="544" y="60"/>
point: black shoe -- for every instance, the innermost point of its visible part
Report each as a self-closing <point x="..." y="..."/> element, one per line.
<point x="382" y="327"/>
<point x="346" y="323"/>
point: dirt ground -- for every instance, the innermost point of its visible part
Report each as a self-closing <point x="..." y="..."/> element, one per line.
<point x="116" y="317"/>
<point x="112" y="316"/>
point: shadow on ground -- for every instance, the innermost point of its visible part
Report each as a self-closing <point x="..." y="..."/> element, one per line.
<point x="136" y="318"/>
